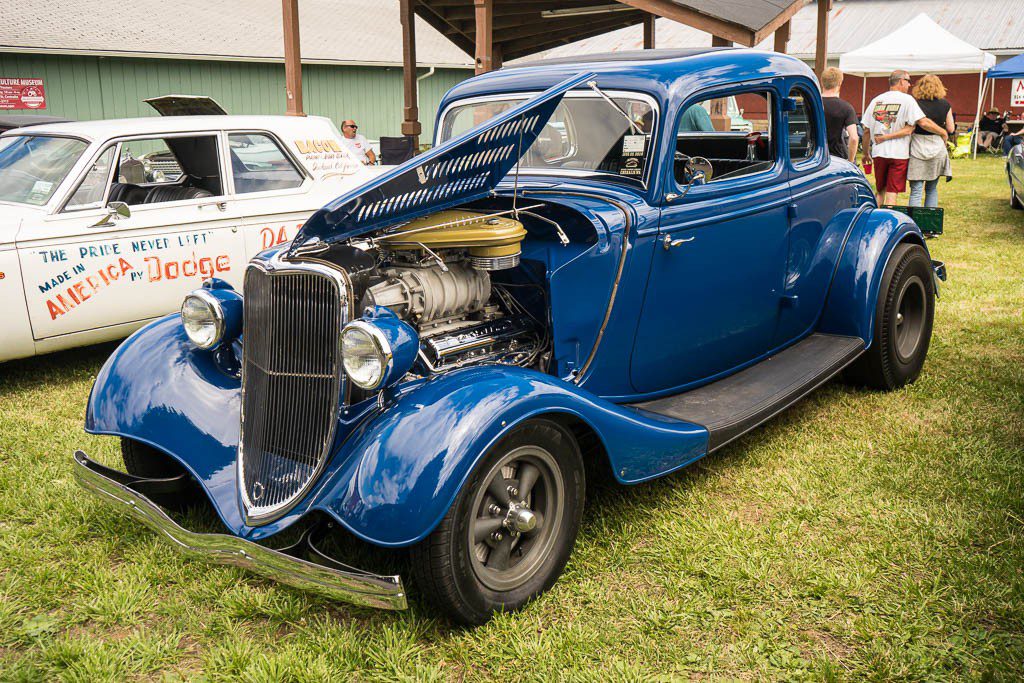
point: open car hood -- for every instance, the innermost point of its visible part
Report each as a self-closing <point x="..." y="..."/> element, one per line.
<point x="185" y="105"/>
<point x="463" y="169"/>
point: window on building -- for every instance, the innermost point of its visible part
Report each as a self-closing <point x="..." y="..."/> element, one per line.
<point x="734" y="133"/>
<point x="258" y="164"/>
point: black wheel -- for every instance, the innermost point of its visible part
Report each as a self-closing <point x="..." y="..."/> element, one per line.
<point x="509" y="533"/>
<point x="903" y="322"/>
<point x="1015" y="201"/>
<point x="145" y="461"/>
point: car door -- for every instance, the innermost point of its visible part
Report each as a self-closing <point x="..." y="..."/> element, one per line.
<point x="91" y="268"/>
<point x="818" y="194"/>
<point x="272" y="191"/>
<point x="713" y="294"/>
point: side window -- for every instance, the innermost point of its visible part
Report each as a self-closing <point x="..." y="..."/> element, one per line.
<point x="147" y="161"/>
<point x="90" y="193"/>
<point x="734" y="133"/>
<point x="172" y="169"/>
<point x="802" y="137"/>
<point x="258" y="164"/>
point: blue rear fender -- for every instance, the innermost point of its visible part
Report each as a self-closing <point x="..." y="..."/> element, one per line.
<point x="850" y="306"/>
<point x="409" y="462"/>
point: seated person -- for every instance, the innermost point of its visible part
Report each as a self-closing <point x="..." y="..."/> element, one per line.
<point x="696" y="118"/>
<point x="989" y="128"/>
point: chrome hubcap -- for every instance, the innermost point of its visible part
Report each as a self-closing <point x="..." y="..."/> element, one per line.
<point x="515" y="518"/>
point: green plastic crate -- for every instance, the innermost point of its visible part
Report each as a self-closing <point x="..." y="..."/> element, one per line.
<point x="928" y="219"/>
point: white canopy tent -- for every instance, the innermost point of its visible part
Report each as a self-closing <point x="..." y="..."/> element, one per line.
<point x="920" y="46"/>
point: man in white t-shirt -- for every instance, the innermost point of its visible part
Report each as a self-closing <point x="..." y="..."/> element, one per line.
<point x="888" y="122"/>
<point x="356" y="142"/>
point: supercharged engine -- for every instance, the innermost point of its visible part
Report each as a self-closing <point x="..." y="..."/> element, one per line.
<point x="435" y="274"/>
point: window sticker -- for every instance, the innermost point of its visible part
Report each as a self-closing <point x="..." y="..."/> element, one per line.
<point x="40" y="191"/>
<point x="634" y="156"/>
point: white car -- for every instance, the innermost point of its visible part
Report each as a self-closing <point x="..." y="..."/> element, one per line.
<point x="105" y="225"/>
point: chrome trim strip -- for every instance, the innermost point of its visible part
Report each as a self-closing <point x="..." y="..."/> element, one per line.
<point x="356" y="586"/>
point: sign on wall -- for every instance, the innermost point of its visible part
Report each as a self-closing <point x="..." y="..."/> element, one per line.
<point x="22" y="93"/>
<point x="1017" y="92"/>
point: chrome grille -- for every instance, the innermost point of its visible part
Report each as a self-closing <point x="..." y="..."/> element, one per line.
<point x="291" y="383"/>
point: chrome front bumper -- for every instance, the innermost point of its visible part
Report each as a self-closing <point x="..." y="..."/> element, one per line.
<point x="339" y="582"/>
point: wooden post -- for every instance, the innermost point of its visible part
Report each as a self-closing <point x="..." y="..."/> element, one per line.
<point x="292" y="58"/>
<point x="411" y="113"/>
<point x="484" y="35"/>
<point x="649" y="20"/>
<point x="720" y="107"/>
<point x="821" y="42"/>
<point x="782" y="37"/>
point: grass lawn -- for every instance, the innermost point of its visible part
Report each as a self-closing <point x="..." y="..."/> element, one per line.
<point x="859" y="535"/>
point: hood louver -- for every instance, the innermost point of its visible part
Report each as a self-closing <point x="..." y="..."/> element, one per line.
<point x="463" y="169"/>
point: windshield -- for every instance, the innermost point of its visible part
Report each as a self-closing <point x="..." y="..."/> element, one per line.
<point x="33" y="166"/>
<point x="585" y="133"/>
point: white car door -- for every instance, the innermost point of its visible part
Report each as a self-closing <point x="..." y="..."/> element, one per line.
<point x="273" y="194"/>
<point x="85" y="268"/>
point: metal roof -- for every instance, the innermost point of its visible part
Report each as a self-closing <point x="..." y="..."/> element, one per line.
<point x="526" y="27"/>
<point x="993" y="25"/>
<point x="331" y="31"/>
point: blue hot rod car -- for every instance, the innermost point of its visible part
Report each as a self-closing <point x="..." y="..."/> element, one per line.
<point x="588" y="267"/>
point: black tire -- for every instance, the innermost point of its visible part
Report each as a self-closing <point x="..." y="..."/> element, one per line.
<point x="145" y="461"/>
<point x="903" y="322"/>
<point x="452" y="571"/>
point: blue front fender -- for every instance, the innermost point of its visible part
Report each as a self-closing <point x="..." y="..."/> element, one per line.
<point x="413" y="458"/>
<point x="852" y="298"/>
<point x="394" y="472"/>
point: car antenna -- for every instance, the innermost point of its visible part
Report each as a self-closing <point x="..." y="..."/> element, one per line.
<point x="632" y="124"/>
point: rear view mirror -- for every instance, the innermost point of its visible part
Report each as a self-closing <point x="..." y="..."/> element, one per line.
<point x="121" y="209"/>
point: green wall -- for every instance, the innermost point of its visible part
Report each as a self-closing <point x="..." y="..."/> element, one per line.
<point x="82" y="87"/>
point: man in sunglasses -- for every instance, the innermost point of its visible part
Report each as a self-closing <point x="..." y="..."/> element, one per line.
<point x="888" y="122"/>
<point x="356" y="142"/>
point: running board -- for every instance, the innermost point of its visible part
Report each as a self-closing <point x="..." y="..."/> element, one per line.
<point x="731" y="407"/>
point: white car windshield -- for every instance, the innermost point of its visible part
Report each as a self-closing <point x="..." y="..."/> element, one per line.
<point x="33" y="166"/>
<point x="585" y="133"/>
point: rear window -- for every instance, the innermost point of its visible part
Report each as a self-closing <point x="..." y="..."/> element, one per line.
<point x="258" y="164"/>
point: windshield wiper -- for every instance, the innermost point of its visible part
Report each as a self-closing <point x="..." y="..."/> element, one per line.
<point x="632" y="124"/>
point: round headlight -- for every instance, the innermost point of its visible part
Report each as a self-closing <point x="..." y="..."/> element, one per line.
<point x="366" y="354"/>
<point x="203" y="319"/>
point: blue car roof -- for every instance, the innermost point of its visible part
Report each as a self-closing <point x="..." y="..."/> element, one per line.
<point x="656" y="72"/>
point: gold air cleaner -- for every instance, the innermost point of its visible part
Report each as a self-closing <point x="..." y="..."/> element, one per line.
<point x="493" y="242"/>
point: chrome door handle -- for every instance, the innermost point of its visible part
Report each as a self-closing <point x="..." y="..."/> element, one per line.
<point x="668" y="242"/>
<point x="222" y="206"/>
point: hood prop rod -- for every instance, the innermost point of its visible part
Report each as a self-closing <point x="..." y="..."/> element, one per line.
<point x="632" y="124"/>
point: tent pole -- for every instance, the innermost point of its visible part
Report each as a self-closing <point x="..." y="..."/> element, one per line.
<point x="863" y="93"/>
<point x="982" y="84"/>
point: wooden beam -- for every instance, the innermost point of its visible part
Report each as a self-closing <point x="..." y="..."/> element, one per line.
<point x="292" y="58"/>
<point x="411" y="112"/>
<point x="649" y="20"/>
<point x="462" y="40"/>
<point x="821" y="41"/>
<point x="514" y="49"/>
<point x="780" y="19"/>
<point x="685" y="15"/>
<point x="782" y="37"/>
<point x="484" y="35"/>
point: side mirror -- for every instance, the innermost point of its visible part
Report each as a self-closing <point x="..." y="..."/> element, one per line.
<point x="115" y="212"/>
